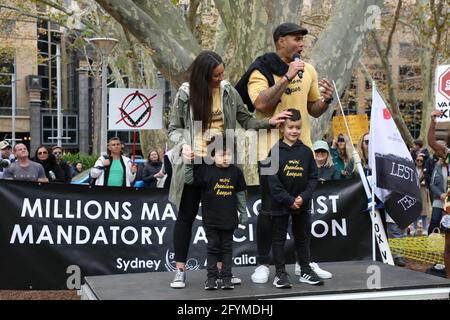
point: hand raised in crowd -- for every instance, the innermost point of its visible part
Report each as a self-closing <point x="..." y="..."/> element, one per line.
<point x="279" y="118"/>
<point x="326" y="90"/>
<point x="334" y="144"/>
<point x="434" y="114"/>
<point x="187" y="152"/>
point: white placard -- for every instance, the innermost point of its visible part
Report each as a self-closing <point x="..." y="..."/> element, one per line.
<point x="443" y="92"/>
<point x="135" y="109"/>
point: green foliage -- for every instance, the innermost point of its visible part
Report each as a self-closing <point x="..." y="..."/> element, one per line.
<point x="88" y="161"/>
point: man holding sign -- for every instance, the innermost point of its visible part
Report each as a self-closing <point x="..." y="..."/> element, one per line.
<point x="114" y="169"/>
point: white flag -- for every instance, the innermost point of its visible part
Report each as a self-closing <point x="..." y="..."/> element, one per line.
<point x="396" y="181"/>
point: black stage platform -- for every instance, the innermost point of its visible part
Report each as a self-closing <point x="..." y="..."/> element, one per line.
<point x="350" y="281"/>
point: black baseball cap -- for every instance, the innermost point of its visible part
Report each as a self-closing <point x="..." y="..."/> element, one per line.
<point x="288" y="28"/>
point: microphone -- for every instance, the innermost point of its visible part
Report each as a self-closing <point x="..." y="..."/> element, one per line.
<point x="297" y="57"/>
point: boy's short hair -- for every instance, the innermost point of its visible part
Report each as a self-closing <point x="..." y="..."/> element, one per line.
<point x="220" y="144"/>
<point x="296" y="115"/>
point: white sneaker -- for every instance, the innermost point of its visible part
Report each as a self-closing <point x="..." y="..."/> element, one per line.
<point x="179" y="281"/>
<point x="235" y="280"/>
<point x="315" y="267"/>
<point x="424" y="232"/>
<point x="261" y="274"/>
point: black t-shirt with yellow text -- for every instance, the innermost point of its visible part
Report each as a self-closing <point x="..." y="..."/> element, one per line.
<point x="219" y="188"/>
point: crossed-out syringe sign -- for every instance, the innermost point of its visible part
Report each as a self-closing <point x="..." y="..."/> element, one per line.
<point x="143" y="117"/>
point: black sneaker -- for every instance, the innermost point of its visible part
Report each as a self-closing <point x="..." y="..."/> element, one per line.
<point x="309" y="276"/>
<point x="234" y="280"/>
<point x="227" y="283"/>
<point x="281" y="280"/>
<point x="211" y="284"/>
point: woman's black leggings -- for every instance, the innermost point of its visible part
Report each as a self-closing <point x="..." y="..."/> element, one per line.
<point x="182" y="232"/>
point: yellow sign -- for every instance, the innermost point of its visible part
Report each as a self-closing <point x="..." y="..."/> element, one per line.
<point x="357" y="124"/>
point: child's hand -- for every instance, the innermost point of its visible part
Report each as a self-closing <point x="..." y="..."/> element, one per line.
<point x="243" y="218"/>
<point x="299" y="201"/>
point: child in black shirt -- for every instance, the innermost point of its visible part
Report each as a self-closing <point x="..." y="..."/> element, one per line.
<point x="222" y="195"/>
<point x="290" y="191"/>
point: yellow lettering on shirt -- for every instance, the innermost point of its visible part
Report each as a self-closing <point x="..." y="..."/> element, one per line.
<point x="223" y="187"/>
<point x="297" y="95"/>
<point x="293" y="169"/>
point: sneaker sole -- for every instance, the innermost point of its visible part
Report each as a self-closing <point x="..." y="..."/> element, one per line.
<point x="207" y="288"/>
<point x="260" y="280"/>
<point x="311" y="282"/>
<point x="285" y="286"/>
<point x="228" y="288"/>
<point x="320" y="276"/>
<point x="177" y="285"/>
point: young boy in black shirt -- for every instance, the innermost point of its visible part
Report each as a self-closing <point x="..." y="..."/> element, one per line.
<point x="223" y="195"/>
<point x="290" y="191"/>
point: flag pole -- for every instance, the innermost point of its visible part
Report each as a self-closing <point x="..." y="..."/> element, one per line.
<point x="374" y="236"/>
<point x="377" y="225"/>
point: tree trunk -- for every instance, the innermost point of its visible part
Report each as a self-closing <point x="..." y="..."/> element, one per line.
<point x="339" y="47"/>
<point x="161" y="27"/>
<point x="250" y="26"/>
<point x="393" y="104"/>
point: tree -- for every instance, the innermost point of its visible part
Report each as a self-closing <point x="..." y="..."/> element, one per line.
<point x="429" y="24"/>
<point x="245" y="31"/>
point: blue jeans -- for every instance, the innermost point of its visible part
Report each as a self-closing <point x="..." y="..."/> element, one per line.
<point x="436" y="216"/>
<point x="394" y="231"/>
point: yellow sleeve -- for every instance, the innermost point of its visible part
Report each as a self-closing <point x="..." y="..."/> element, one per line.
<point x="256" y="84"/>
<point x="314" y="93"/>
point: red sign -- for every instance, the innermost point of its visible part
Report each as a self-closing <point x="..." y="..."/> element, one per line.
<point x="444" y="84"/>
<point x="386" y="114"/>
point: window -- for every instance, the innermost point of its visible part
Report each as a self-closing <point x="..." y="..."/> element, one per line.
<point x="50" y="129"/>
<point x="125" y="136"/>
<point x="412" y="115"/>
<point x="46" y="44"/>
<point x="6" y="72"/>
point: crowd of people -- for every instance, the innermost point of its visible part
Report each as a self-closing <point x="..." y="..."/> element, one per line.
<point x="283" y="91"/>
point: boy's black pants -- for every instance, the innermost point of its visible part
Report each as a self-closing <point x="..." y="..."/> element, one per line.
<point x="219" y="248"/>
<point x="271" y="233"/>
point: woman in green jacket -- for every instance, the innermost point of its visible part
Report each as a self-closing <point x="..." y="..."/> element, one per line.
<point x="214" y="106"/>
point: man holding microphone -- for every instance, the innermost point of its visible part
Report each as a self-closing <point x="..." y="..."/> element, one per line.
<point x="275" y="82"/>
